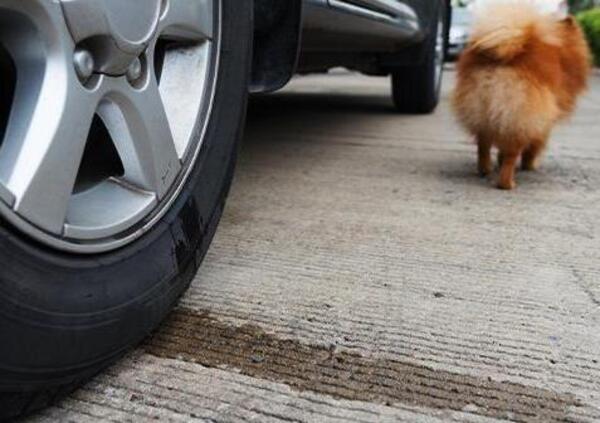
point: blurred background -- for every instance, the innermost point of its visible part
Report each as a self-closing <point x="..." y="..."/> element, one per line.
<point x="586" y="11"/>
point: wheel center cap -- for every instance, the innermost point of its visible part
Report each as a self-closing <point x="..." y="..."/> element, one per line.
<point x="116" y="31"/>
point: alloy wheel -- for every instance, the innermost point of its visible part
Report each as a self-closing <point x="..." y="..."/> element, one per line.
<point x="106" y="114"/>
<point x="440" y="50"/>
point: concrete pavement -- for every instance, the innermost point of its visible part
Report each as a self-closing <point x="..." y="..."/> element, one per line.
<point x="364" y="273"/>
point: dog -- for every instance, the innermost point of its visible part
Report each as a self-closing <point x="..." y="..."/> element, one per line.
<point x="520" y="75"/>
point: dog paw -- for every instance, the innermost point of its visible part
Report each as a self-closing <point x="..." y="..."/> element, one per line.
<point x="506" y="185"/>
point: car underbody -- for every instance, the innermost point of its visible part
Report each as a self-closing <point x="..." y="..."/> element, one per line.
<point x="311" y="36"/>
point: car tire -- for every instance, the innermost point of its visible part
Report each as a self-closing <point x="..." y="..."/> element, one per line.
<point x="416" y="88"/>
<point x="65" y="317"/>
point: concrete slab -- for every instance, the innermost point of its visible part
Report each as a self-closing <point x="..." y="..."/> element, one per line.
<point x="363" y="272"/>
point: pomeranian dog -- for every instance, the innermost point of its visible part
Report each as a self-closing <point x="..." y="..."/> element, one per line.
<point x="519" y="76"/>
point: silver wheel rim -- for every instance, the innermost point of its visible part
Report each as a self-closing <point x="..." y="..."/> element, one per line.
<point x="440" y="55"/>
<point x="107" y="117"/>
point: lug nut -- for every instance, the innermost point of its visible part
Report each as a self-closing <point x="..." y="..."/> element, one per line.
<point x="84" y="64"/>
<point x="135" y="71"/>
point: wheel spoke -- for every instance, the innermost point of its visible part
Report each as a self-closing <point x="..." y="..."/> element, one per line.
<point x="190" y="20"/>
<point x="45" y="141"/>
<point x="138" y="125"/>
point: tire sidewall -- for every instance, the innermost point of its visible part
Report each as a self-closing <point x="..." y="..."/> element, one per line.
<point x="433" y="83"/>
<point x="441" y="18"/>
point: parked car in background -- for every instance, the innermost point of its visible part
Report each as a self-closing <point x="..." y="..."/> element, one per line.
<point x="119" y="128"/>
<point x="460" y="31"/>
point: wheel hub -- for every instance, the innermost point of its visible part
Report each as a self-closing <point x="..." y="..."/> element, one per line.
<point x="116" y="32"/>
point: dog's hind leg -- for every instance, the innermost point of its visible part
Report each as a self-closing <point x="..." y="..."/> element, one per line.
<point x="484" y="156"/>
<point x="507" y="170"/>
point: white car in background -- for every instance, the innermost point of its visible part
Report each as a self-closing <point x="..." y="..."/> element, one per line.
<point x="460" y="30"/>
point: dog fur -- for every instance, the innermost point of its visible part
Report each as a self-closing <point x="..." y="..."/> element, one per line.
<point x="520" y="75"/>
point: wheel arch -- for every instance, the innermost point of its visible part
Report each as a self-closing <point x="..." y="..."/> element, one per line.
<point x="277" y="34"/>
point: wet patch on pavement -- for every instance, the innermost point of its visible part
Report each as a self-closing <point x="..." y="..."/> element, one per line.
<point x="197" y="337"/>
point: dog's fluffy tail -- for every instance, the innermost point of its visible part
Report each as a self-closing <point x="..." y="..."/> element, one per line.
<point x="503" y="28"/>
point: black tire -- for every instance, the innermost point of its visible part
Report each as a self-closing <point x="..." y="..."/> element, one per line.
<point x="63" y="318"/>
<point x="416" y="88"/>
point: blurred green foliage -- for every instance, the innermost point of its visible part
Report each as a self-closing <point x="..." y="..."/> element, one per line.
<point x="590" y="22"/>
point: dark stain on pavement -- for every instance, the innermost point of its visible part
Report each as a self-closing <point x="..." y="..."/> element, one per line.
<point x="199" y="338"/>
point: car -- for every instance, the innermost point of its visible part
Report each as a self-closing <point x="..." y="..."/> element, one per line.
<point x="120" y="123"/>
<point x="460" y="31"/>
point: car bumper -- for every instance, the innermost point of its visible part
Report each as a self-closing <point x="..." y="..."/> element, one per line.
<point x="454" y="50"/>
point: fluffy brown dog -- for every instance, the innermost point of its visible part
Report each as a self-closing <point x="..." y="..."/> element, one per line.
<point x="521" y="74"/>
